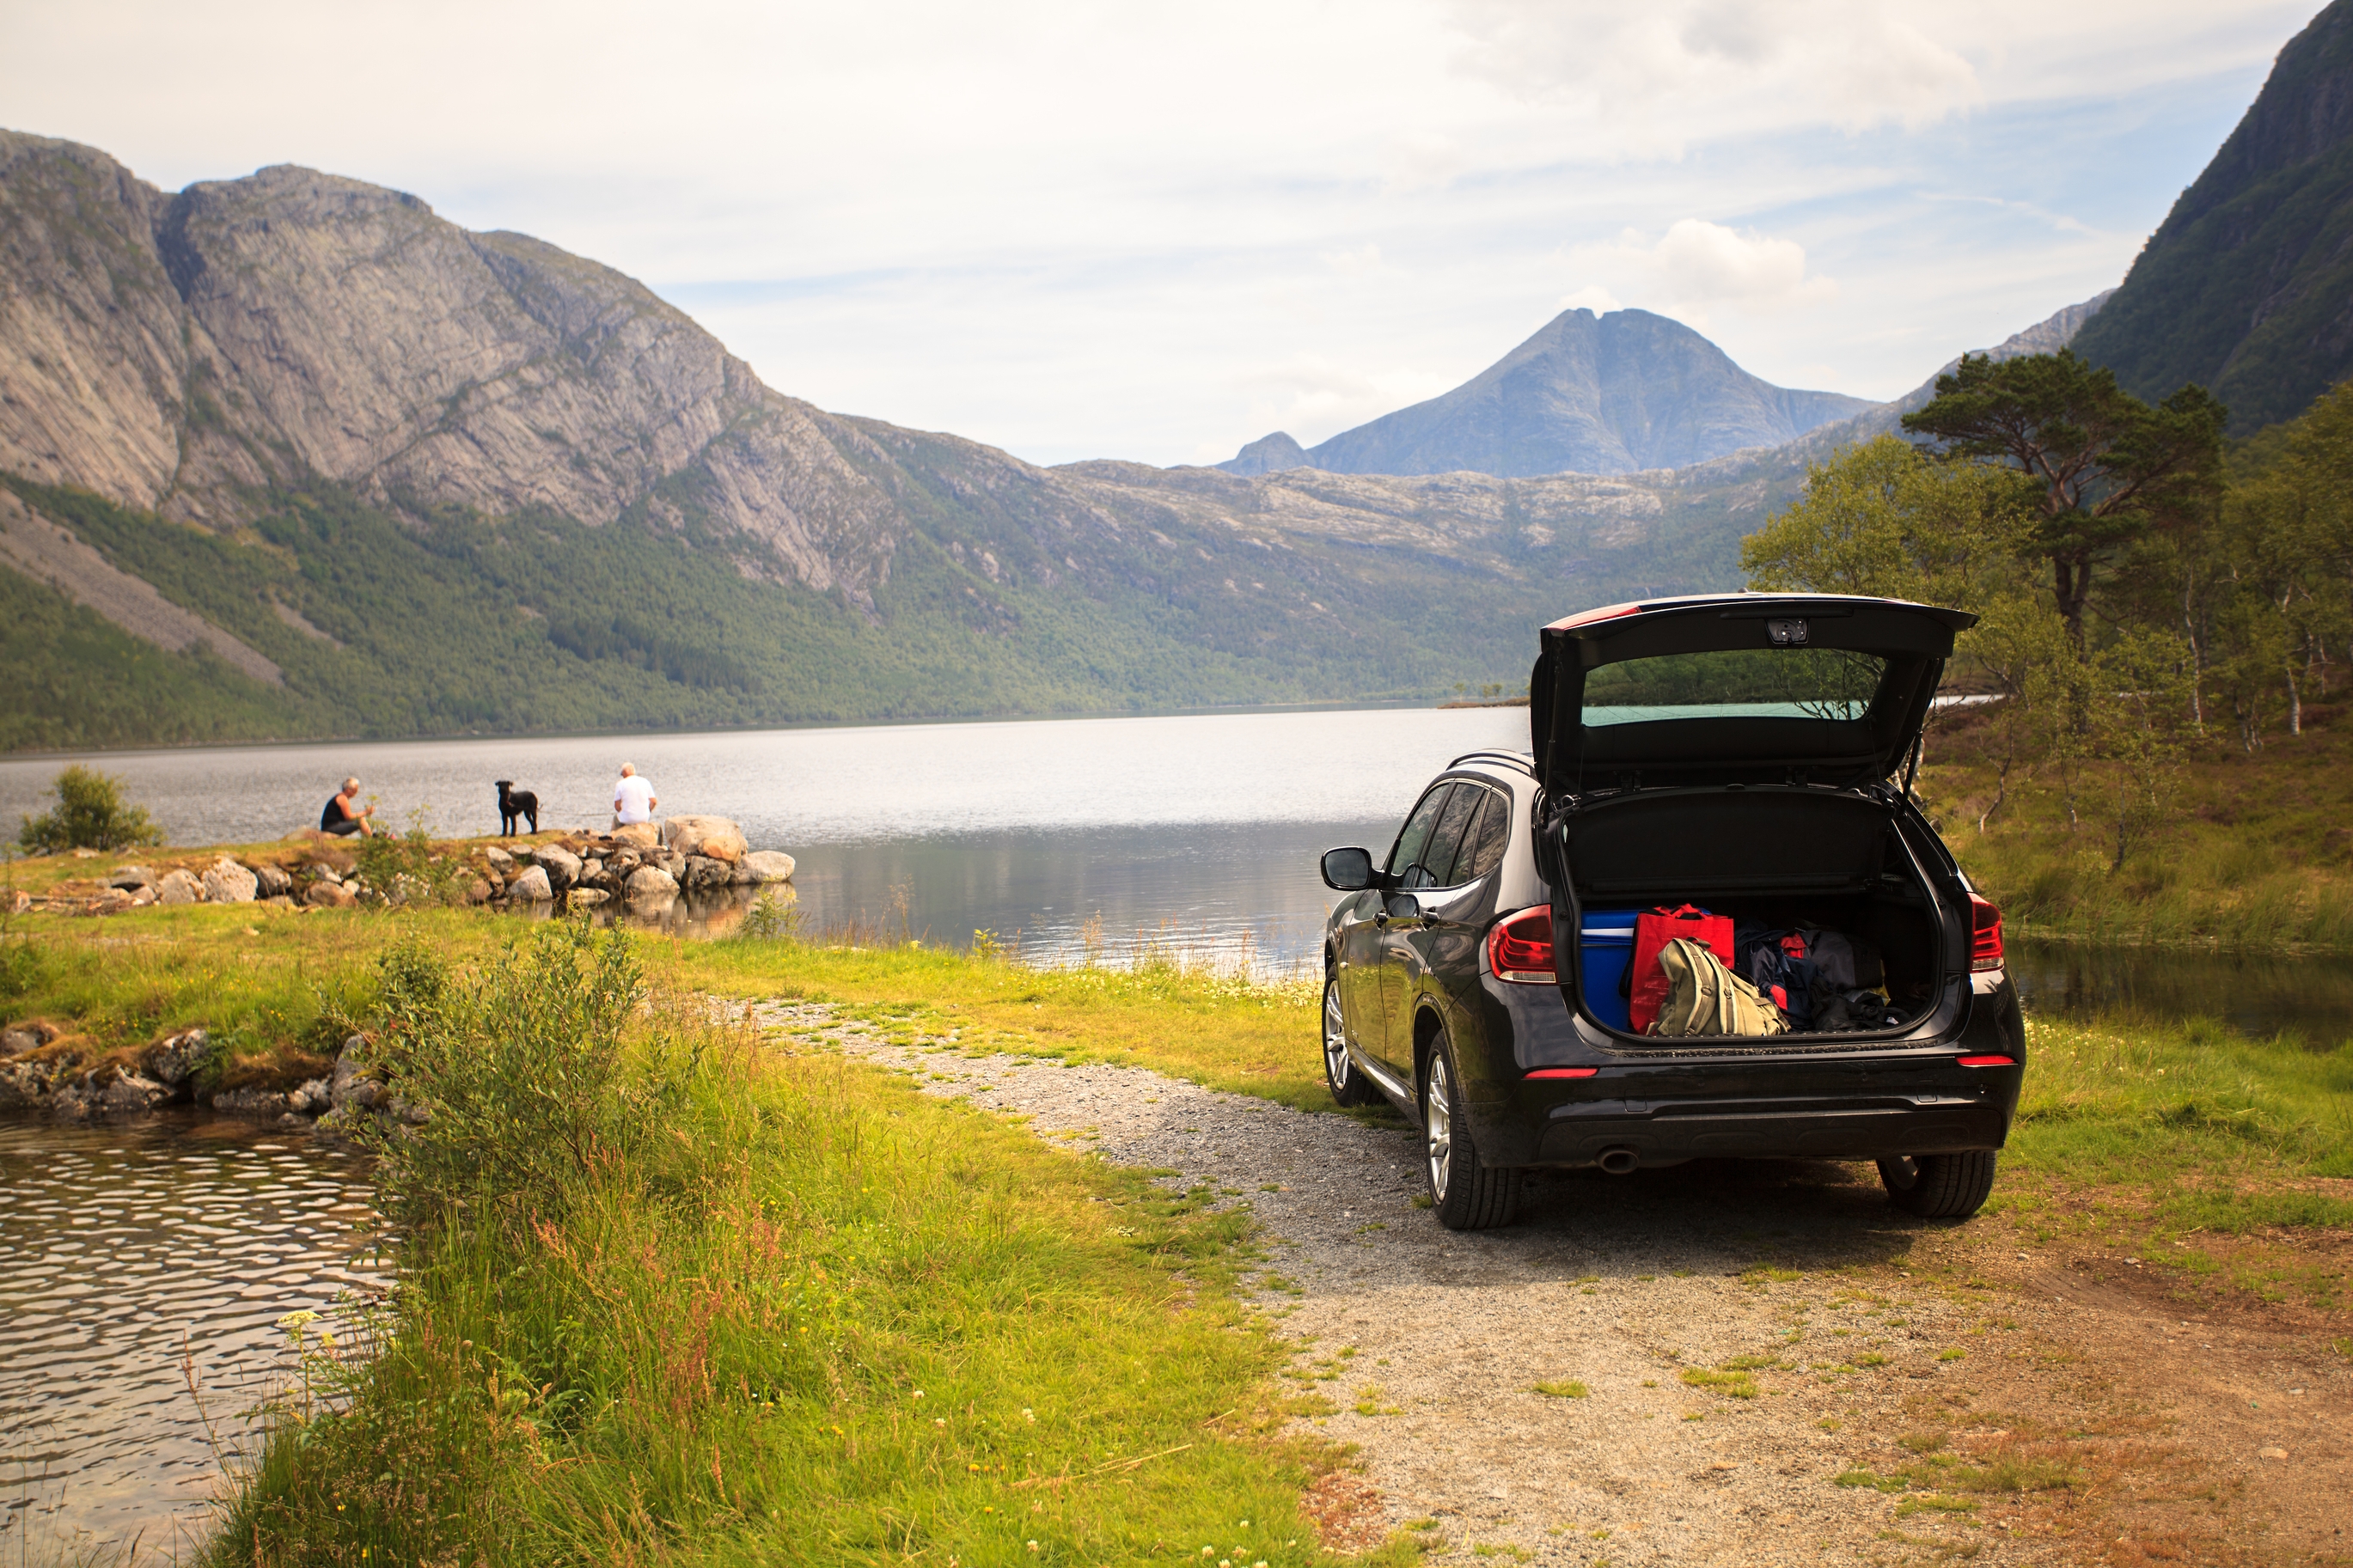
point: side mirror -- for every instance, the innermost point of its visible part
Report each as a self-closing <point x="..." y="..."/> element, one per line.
<point x="1347" y="870"/>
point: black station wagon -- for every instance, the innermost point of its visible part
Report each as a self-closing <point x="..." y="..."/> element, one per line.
<point x="1750" y="754"/>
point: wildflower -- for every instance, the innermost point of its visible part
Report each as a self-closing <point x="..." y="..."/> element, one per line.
<point x="1030" y="1416"/>
<point x="326" y="1340"/>
<point x="939" y="1421"/>
<point x="1032" y="1545"/>
<point x="919" y="1394"/>
<point x="302" y="1319"/>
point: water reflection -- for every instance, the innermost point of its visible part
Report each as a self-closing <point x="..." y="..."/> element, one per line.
<point x="120" y="1246"/>
<point x="2257" y="994"/>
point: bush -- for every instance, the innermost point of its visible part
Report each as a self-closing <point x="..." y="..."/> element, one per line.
<point x="518" y="1074"/>
<point x="90" y="814"/>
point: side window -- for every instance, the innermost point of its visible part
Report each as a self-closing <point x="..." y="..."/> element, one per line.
<point x="1446" y="840"/>
<point x="1413" y="838"/>
<point x="1484" y="845"/>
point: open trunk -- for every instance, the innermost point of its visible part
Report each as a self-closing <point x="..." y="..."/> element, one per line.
<point x="1740" y="753"/>
<point x="1774" y="859"/>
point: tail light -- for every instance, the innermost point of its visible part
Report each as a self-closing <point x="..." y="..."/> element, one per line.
<point x="1519" y="948"/>
<point x="1985" y="934"/>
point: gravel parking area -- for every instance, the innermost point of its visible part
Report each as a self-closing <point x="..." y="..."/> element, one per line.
<point x="1738" y="1338"/>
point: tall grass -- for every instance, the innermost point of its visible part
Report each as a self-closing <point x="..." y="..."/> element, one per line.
<point x="745" y="1306"/>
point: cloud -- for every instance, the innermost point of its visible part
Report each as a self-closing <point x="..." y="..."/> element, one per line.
<point x="1659" y="75"/>
<point x="1360" y="262"/>
<point x="1312" y="397"/>
<point x="1697" y="266"/>
<point x="1593" y="297"/>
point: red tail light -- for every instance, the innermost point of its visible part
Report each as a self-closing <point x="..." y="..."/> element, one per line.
<point x="1985" y="938"/>
<point x="1988" y="1061"/>
<point x="1520" y="948"/>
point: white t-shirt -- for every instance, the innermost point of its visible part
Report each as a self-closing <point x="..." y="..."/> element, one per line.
<point x="633" y="799"/>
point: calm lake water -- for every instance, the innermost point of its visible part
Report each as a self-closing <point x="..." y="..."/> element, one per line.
<point x="122" y="1249"/>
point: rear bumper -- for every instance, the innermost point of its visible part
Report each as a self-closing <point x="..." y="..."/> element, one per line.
<point x="1858" y="1127"/>
<point x="1900" y="1097"/>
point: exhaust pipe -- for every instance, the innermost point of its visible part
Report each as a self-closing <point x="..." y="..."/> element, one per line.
<point x="1619" y="1162"/>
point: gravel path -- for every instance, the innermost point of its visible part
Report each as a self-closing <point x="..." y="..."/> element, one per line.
<point x="1429" y="1344"/>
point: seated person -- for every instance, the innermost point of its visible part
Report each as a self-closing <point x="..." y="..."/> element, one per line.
<point x="344" y="815"/>
<point x="633" y="798"/>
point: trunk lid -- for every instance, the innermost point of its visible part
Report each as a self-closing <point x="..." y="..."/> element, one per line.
<point x="1786" y="688"/>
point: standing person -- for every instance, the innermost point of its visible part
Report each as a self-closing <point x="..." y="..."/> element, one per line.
<point x="633" y="798"/>
<point x="343" y="814"/>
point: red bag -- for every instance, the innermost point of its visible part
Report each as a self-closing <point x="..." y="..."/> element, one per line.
<point x="1653" y="931"/>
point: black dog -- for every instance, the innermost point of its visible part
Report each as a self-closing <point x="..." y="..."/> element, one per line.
<point x="515" y="803"/>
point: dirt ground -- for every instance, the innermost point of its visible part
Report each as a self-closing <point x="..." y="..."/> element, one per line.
<point x="1734" y="1362"/>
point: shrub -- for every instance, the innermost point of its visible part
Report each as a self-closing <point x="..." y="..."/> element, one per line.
<point x="517" y="1073"/>
<point x="90" y="814"/>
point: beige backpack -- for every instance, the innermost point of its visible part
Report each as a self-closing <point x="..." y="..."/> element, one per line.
<point x="1706" y="998"/>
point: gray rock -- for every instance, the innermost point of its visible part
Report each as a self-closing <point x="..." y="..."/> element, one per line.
<point x="16" y="1042"/>
<point x="702" y="871"/>
<point x="132" y="1092"/>
<point x="264" y="1103"/>
<point x="585" y="898"/>
<point x="531" y="886"/>
<point x="272" y="881"/>
<point x="175" y="1058"/>
<point x="72" y="1101"/>
<point x="129" y="876"/>
<point x="501" y="861"/>
<point x="24" y="1086"/>
<point x="477" y="891"/>
<point x="562" y="865"/>
<point x="764" y="865"/>
<point x="178" y="888"/>
<point x="226" y="882"/>
<point x="310" y="1098"/>
<point x="649" y="883"/>
<point x="324" y="894"/>
<point x="406" y="889"/>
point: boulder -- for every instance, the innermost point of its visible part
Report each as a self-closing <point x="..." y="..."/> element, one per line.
<point x="703" y="871"/>
<point x="111" y="901"/>
<point x="501" y="861"/>
<point x="24" y="1086"/>
<point x="478" y="891"/>
<point x="408" y="890"/>
<point x="650" y="883"/>
<point x="178" y="888"/>
<point x="16" y="1042"/>
<point x="310" y="1097"/>
<point x="260" y="1102"/>
<point x="643" y="835"/>
<point x="16" y="900"/>
<point x="174" y="1058"/>
<point x="272" y="881"/>
<point x="562" y="865"/>
<point x="351" y="1087"/>
<point x="531" y="886"/>
<point x="326" y="895"/>
<point x="713" y="837"/>
<point x="226" y="882"/>
<point x="129" y="876"/>
<point x="764" y="865"/>
<point x="132" y="1092"/>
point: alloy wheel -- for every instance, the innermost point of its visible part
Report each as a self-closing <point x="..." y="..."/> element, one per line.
<point x="1337" y="1066"/>
<point x="1438" y="1126"/>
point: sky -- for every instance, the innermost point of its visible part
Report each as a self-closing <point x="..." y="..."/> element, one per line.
<point x="1157" y="232"/>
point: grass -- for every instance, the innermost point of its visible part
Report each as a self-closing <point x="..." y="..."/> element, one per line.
<point x="770" y="1307"/>
<point x="2258" y="858"/>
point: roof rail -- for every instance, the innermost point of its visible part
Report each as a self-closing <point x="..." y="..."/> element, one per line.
<point x="1524" y="761"/>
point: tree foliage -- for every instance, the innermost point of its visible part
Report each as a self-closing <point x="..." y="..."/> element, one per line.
<point x="90" y="814"/>
<point x="2106" y="468"/>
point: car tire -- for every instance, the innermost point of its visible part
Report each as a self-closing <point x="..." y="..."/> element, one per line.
<point x="1348" y="1082"/>
<point x="1465" y="1194"/>
<point x="1939" y="1186"/>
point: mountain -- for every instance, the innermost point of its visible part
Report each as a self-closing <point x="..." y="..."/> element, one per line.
<point x="1592" y="394"/>
<point x="2247" y="287"/>
<point x="290" y="455"/>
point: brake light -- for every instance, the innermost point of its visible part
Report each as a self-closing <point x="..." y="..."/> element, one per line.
<point x="1985" y="934"/>
<point x="1519" y="948"/>
<point x="1988" y="1061"/>
<point x="1587" y="617"/>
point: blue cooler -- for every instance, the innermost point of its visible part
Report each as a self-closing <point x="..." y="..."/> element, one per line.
<point x="1605" y="952"/>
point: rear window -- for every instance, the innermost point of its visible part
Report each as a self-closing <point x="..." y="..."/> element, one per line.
<point x="1736" y="683"/>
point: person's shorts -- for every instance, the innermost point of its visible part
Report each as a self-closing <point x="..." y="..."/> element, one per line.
<point x="342" y="829"/>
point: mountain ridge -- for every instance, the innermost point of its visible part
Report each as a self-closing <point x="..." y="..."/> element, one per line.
<point x="1621" y="393"/>
<point x="2246" y="288"/>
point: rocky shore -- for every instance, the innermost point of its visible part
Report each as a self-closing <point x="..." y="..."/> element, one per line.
<point x="52" y="1067"/>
